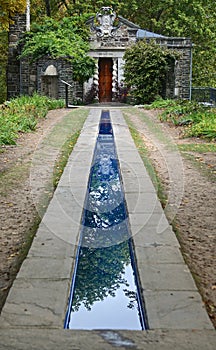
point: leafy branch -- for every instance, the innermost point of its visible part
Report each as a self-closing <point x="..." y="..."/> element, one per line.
<point x="62" y="39"/>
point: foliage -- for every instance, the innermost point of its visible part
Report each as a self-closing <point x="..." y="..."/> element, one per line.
<point x="160" y="103"/>
<point x="188" y="18"/>
<point x="146" y="65"/>
<point x="21" y="115"/>
<point x="100" y="273"/>
<point x="8" y="9"/>
<point x="197" y="120"/>
<point x="61" y="39"/>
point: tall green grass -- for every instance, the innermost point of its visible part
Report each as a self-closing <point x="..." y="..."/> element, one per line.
<point x="20" y="115"/>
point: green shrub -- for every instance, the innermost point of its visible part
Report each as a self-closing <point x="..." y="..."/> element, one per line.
<point x="22" y="114"/>
<point x="196" y="119"/>
<point x="145" y="70"/>
<point x="161" y="103"/>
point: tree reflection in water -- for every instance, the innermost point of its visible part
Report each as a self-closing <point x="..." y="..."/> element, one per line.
<point x="100" y="273"/>
<point x="104" y="252"/>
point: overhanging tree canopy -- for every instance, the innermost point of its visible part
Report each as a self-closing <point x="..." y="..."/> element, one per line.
<point x="8" y="9"/>
<point x="190" y="18"/>
<point x="61" y="39"/>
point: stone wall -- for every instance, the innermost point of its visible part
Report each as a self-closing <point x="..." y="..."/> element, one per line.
<point x="31" y="77"/>
<point x="183" y="67"/>
<point x="64" y="72"/>
<point x="13" y="71"/>
<point x="25" y="78"/>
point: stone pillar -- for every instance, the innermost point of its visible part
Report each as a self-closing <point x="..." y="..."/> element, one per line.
<point x="14" y="67"/>
<point x="115" y="78"/>
<point x="96" y="79"/>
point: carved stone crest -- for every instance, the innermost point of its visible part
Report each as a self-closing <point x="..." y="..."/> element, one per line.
<point x="105" y="18"/>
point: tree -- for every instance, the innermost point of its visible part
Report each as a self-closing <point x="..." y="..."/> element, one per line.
<point x="146" y="65"/>
<point x="48" y="8"/>
<point x="189" y="18"/>
<point x="58" y="39"/>
<point x="8" y="9"/>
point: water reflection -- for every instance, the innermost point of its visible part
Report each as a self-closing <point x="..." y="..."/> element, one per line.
<point x="101" y="272"/>
<point x="105" y="219"/>
<point x="104" y="293"/>
<point x="105" y="296"/>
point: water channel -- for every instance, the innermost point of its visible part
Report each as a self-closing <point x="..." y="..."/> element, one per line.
<point x="105" y="290"/>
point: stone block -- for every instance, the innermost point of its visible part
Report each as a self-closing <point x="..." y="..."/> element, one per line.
<point x="36" y="303"/>
<point x="176" y="310"/>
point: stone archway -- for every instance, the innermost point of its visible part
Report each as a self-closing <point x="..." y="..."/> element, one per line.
<point x="49" y="82"/>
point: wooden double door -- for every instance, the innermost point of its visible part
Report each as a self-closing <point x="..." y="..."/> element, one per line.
<point x="105" y="79"/>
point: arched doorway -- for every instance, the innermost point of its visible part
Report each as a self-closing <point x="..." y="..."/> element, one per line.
<point x="49" y="82"/>
<point x="105" y="79"/>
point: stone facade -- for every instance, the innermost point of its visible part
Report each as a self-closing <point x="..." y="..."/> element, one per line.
<point x="109" y="39"/>
<point x="24" y="77"/>
<point x="13" y="71"/>
<point x="110" y="46"/>
<point x="180" y="86"/>
<point x="178" y="82"/>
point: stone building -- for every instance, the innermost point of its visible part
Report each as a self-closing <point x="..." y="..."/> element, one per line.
<point x="110" y="36"/>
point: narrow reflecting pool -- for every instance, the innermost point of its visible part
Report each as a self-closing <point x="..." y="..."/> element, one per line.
<point x="104" y="291"/>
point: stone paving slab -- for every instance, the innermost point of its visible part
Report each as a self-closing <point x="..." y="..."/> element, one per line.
<point x="176" y="310"/>
<point x="168" y="277"/>
<point x="46" y="267"/>
<point x="151" y="236"/>
<point x="138" y="185"/>
<point x="133" y="171"/>
<point x="33" y="315"/>
<point x="139" y="202"/>
<point x="46" y="339"/>
<point x="154" y="219"/>
<point x="36" y="303"/>
<point x="47" y="244"/>
<point x="169" y="291"/>
<point x="159" y="255"/>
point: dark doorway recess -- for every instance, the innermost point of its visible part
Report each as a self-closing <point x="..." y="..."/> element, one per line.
<point x="105" y="79"/>
<point x="49" y="86"/>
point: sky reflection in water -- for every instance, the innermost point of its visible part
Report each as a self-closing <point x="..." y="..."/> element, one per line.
<point x="104" y="294"/>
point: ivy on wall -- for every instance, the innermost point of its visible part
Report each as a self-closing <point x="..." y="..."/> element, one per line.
<point x="63" y="39"/>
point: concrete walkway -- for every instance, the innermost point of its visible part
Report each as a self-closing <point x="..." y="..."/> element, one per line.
<point x="34" y="313"/>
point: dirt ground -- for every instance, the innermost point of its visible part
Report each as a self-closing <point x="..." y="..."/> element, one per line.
<point x="195" y="217"/>
<point x="19" y="212"/>
<point x="193" y="214"/>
